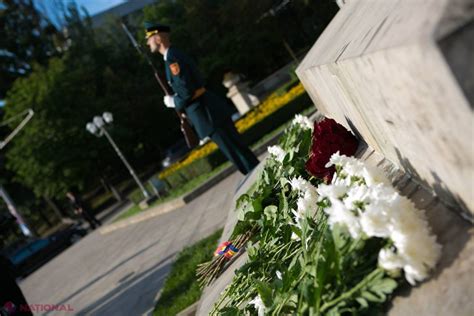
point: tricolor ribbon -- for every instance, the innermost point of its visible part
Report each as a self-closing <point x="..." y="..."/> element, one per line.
<point x="226" y="249"/>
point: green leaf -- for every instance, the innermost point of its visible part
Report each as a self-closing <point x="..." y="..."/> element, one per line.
<point x="244" y="198"/>
<point x="252" y="251"/>
<point x="265" y="292"/>
<point x="362" y="302"/>
<point x="385" y="286"/>
<point x="230" y="311"/>
<point x="271" y="213"/>
<point x="297" y="231"/>
<point x="283" y="182"/>
<point x="257" y="205"/>
<point x="283" y="203"/>
<point x="371" y="297"/>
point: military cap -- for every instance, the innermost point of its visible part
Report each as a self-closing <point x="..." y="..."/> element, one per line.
<point x="152" y="28"/>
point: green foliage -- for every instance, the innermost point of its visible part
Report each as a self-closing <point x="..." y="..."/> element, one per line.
<point x="181" y="288"/>
<point x="54" y="153"/>
<point x="41" y="154"/>
<point x="26" y="39"/>
<point x="235" y="35"/>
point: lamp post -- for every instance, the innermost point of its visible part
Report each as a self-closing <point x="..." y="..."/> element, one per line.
<point x="97" y="128"/>
<point x="3" y="193"/>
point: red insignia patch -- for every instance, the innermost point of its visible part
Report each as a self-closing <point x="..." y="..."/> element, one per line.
<point x="174" y="69"/>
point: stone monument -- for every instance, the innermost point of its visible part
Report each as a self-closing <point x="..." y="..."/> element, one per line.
<point x="239" y="92"/>
<point x="400" y="75"/>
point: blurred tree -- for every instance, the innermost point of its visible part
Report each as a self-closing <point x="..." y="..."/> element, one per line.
<point x="72" y="75"/>
<point x="54" y="153"/>
<point x="26" y="37"/>
<point x="245" y="36"/>
<point x="49" y="154"/>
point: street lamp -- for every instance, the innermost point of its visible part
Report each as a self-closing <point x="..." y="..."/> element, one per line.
<point x="3" y="193"/>
<point x="97" y="128"/>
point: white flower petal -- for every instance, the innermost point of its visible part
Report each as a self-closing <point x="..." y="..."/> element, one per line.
<point x="375" y="221"/>
<point x="389" y="260"/>
<point x="277" y="152"/>
<point x="357" y="194"/>
<point x="295" y="237"/>
<point x="302" y="121"/>
<point x="374" y="175"/>
<point x="333" y="191"/>
<point x="258" y="305"/>
<point x="339" y="214"/>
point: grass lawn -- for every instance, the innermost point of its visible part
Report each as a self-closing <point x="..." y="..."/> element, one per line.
<point x="181" y="288"/>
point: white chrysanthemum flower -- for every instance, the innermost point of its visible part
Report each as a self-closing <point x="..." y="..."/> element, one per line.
<point x="382" y="192"/>
<point x="407" y="222"/>
<point x="390" y="261"/>
<point x="353" y="167"/>
<point x="307" y="202"/>
<point x="341" y="181"/>
<point x="375" y="221"/>
<point x="336" y="160"/>
<point x="411" y="236"/>
<point x="357" y="194"/>
<point x="258" y="305"/>
<point x="299" y="184"/>
<point x="333" y="191"/>
<point x="415" y="270"/>
<point x="356" y="168"/>
<point x="373" y="175"/>
<point x="340" y="214"/>
<point x="378" y="210"/>
<point x="277" y="152"/>
<point x="421" y="253"/>
<point x="299" y="217"/>
<point x="303" y="121"/>
<point x="415" y="273"/>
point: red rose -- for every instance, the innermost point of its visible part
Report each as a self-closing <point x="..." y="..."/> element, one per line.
<point x="329" y="137"/>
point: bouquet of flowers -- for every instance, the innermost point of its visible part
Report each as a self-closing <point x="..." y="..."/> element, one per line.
<point x="338" y="245"/>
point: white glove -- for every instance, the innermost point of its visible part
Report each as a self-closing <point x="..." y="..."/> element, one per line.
<point x="169" y="101"/>
<point x="203" y="141"/>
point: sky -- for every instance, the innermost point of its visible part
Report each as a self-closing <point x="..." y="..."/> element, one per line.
<point x="95" y="6"/>
<point x="92" y="6"/>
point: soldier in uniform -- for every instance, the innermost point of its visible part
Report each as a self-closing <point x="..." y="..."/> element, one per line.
<point x="207" y="112"/>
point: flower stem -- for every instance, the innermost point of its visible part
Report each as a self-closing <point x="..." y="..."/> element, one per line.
<point x="351" y="292"/>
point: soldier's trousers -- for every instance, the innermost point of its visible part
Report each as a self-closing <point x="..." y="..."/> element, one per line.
<point x="232" y="146"/>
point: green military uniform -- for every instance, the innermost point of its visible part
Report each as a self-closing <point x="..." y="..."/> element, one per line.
<point x="207" y="112"/>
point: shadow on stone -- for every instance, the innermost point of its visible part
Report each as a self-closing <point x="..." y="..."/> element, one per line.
<point x="446" y="220"/>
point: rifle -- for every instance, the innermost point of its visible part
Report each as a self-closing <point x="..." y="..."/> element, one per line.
<point x="188" y="132"/>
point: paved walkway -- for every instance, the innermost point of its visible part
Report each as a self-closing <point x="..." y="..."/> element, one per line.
<point x="120" y="273"/>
